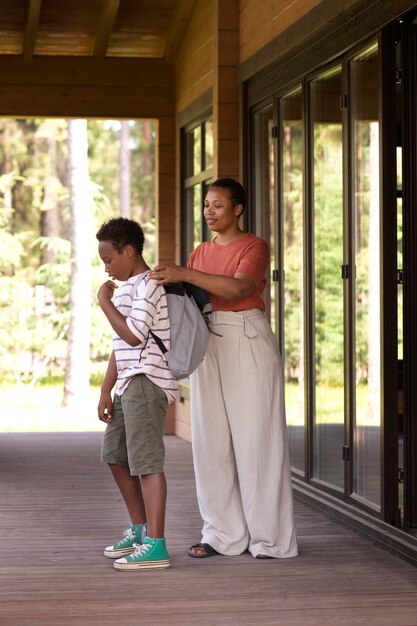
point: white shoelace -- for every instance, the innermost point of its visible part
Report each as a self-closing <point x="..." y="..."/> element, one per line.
<point x="140" y="549"/>
<point x="127" y="534"/>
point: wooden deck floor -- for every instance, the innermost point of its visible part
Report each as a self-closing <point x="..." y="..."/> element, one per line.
<point x="59" y="508"/>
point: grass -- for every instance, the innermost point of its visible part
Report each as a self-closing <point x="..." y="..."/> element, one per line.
<point x="329" y="403"/>
<point x="39" y="409"/>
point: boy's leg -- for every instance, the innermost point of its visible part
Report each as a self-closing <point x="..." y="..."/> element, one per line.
<point x="130" y="488"/>
<point x="114" y="453"/>
<point x="154" y="489"/>
<point x="145" y="420"/>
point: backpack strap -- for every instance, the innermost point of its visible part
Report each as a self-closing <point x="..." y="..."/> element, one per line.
<point x="158" y="341"/>
<point x="138" y="281"/>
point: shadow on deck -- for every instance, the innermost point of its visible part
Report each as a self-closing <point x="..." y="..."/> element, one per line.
<point x="59" y="508"/>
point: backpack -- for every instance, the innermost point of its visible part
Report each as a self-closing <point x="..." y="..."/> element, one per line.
<point x="187" y="309"/>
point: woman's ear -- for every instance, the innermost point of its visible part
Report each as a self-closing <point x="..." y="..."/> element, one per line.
<point x="238" y="210"/>
<point x="129" y="250"/>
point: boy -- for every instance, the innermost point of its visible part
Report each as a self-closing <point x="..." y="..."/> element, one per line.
<point x="133" y="443"/>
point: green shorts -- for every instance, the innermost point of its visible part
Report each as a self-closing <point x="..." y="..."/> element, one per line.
<point x="135" y="437"/>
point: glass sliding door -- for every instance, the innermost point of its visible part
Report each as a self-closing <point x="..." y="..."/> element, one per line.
<point x="328" y="326"/>
<point x="264" y="209"/>
<point x="364" y="126"/>
<point x="292" y="211"/>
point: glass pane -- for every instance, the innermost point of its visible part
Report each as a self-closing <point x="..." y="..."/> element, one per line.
<point x="198" y="216"/>
<point x="293" y="254"/>
<point x="328" y="436"/>
<point x="197" y="150"/>
<point x="367" y="423"/>
<point x="209" y="143"/>
<point x="193" y="152"/>
<point x="194" y="223"/>
<point x="265" y="218"/>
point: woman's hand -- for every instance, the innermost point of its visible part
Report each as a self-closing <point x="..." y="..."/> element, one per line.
<point x="168" y="273"/>
<point x="229" y="287"/>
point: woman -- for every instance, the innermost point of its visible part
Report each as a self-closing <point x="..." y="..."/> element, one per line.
<point x="239" y="436"/>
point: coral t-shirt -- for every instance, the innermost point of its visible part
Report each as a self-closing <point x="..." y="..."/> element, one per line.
<point x="248" y="255"/>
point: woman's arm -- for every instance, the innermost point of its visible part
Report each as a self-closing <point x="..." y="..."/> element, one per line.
<point x="234" y="287"/>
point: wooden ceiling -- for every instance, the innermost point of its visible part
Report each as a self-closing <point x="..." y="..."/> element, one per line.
<point x="148" y="29"/>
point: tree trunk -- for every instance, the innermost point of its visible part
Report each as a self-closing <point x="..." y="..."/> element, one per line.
<point x="49" y="224"/>
<point x="78" y="355"/>
<point x="124" y="170"/>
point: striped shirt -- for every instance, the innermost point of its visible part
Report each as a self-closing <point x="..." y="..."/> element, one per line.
<point x="146" y="309"/>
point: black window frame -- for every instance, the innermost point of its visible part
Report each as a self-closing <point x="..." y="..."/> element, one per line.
<point x="201" y="179"/>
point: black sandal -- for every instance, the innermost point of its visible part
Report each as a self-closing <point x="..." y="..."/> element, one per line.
<point x="209" y="551"/>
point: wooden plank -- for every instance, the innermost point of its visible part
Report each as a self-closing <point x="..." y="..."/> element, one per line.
<point x="69" y="71"/>
<point x="228" y="90"/>
<point x="262" y="20"/>
<point x="60" y="507"/>
<point x="105" y="25"/>
<point x="31" y="27"/>
<point x="228" y="123"/>
<point x="166" y="155"/>
<point x="82" y="101"/>
<point x="226" y="112"/>
<point x="165" y="175"/>
<point x="165" y="246"/>
<point x="228" y="158"/>
<point x="178" y="27"/>
<point x="194" y="63"/>
<point x="67" y="28"/>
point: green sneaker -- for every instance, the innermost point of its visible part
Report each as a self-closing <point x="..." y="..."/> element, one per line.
<point x="152" y="554"/>
<point x="132" y="536"/>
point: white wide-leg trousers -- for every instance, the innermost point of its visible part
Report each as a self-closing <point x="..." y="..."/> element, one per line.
<point x="239" y="437"/>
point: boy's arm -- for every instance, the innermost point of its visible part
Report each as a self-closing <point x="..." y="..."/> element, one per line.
<point x="117" y="320"/>
<point x="105" y="402"/>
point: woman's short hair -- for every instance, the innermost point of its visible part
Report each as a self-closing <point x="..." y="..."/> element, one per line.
<point x="237" y="192"/>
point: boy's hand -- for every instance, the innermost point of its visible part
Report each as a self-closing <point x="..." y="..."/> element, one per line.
<point x="104" y="407"/>
<point x="106" y="290"/>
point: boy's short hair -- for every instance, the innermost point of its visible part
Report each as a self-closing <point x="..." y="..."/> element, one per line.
<point x="121" y="232"/>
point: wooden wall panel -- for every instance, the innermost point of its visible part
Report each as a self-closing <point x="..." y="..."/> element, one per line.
<point x="194" y="63"/>
<point x="183" y="420"/>
<point x="262" y="20"/>
<point x="225" y="90"/>
<point x="71" y="71"/>
<point x="165" y="201"/>
<point x="170" y="427"/>
<point x="69" y="87"/>
<point x="207" y="63"/>
<point x="228" y="122"/>
<point x="82" y="101"/>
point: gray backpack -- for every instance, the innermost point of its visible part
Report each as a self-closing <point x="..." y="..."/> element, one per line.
<point x="187" y="310"/>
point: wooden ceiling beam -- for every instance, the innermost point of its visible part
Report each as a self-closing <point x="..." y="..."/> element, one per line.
<point x="178" y="27"/>
<point x="31" y="27"/>
<point x="86" y="71"/>
<point x="105" y="26"/>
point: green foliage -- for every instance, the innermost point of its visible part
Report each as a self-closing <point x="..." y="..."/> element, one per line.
<point x="11" y="252"/>
<point x="35" y="257"/>
<point x="328" y="234"/>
